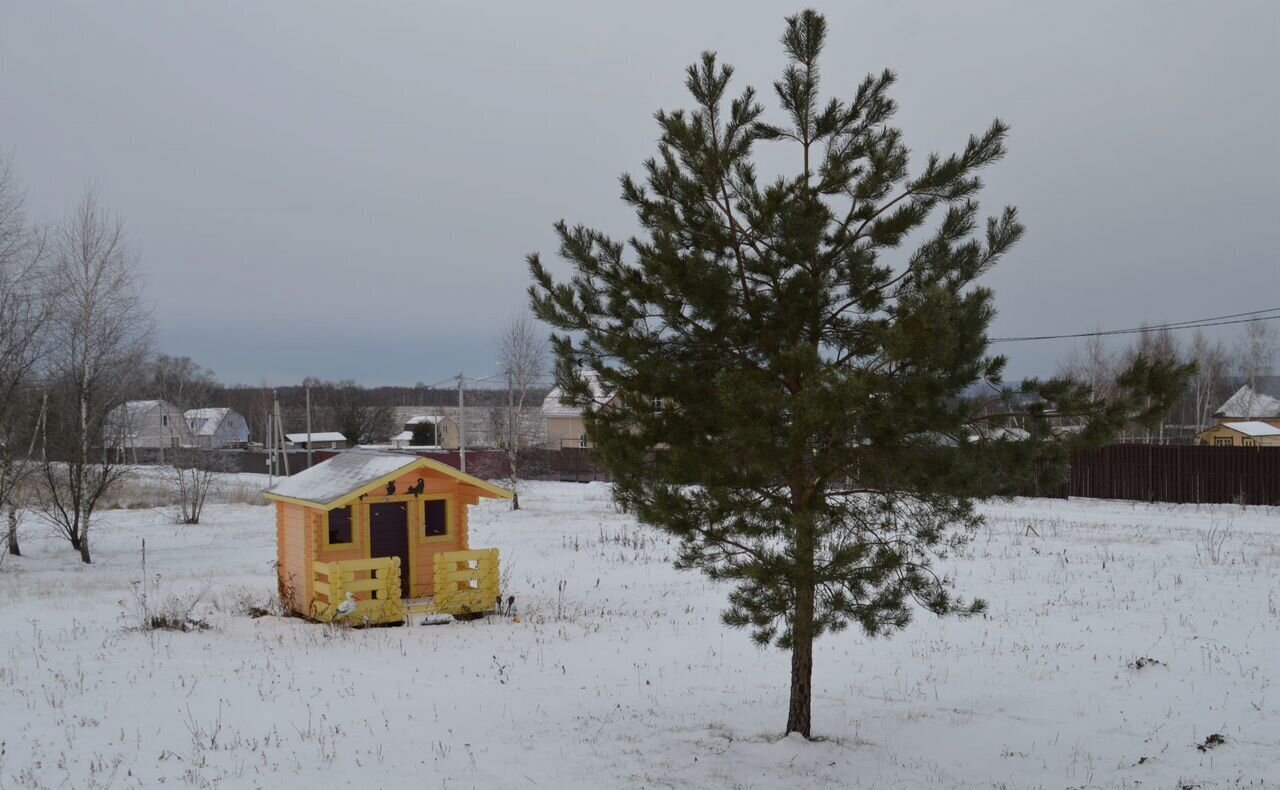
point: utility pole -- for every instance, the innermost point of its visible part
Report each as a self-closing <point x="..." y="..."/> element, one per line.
<point x="309" y="427"/>
<point x="462" y="425"/>
<point x="271" y="452"/>
<point x="280" y="440"/>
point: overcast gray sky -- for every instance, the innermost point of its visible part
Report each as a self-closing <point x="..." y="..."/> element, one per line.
<point x="348" y="190"/>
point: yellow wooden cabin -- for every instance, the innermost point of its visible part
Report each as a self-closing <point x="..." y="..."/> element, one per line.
<point x="1246" y="433"/>
<point x="390" y="529"/>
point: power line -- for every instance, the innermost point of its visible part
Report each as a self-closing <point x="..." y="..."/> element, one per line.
<point x="1221" y="320"/>
<point x="1248" y="317"/>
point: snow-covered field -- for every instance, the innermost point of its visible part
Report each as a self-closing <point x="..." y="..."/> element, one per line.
<point x="620" y="674"/>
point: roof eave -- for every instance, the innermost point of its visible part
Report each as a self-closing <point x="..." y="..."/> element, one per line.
<point x="482" y="487"/>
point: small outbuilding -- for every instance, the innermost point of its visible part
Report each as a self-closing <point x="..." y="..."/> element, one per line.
<point x="391" y="529"/>
<point x="319" y="440"/>
<point x="1251" y="433"/>
<point x="428" y="431"/>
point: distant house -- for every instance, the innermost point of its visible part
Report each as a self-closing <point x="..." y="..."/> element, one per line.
<point x="565" y="425"/>
<point x="1252" y="433"/>
<point x="319" y="440"/>
<point x="428" y="430"/>
<point x="139" y="424"/>
<point x="1247" y="403"/>
<point x="217" y="428"/>
<point x="485" y="422"/>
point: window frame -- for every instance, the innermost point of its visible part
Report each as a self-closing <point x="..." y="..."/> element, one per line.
<point x="450" y="529"/>
<point x="325" y="543"/>
<point x="1224" y="441"/>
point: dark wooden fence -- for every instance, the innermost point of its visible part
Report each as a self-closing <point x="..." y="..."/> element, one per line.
<point x="1175" y="473"/>
<point x="1140" y="472"/>
<point x="569" y="463"/>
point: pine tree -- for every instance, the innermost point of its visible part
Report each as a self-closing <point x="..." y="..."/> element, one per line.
<point x="793" y="399"/>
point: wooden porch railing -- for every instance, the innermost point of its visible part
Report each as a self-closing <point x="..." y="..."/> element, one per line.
<point x="466" y="582"/>
<point x="380" y="577"/>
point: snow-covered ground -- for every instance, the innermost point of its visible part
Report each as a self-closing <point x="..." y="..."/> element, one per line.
<point x="620" y="674"/>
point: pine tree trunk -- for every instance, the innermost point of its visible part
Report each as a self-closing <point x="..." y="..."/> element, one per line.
<point x="801" y="664"/>
<point x="802" y="632"/>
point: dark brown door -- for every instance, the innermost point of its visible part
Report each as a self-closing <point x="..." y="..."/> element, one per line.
<point x="389" y="536"/>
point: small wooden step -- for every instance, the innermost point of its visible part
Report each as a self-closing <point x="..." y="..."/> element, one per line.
<point x="417" y="607"/>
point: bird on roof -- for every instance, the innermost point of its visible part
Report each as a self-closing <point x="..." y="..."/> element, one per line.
<point x="391" y="488"/>
<point x="347" y="607"/>
<point x="417" y="488"/>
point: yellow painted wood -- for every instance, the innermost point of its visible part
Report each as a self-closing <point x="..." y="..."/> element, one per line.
<point x="466" y="581"/>
<point x="468" y="555"/>
<point x="450" y="515"/>
<point x="382" y="606"/>
<point x="364" y="585"/>
<point x="325" y="545"/>
<point x="374" y="564"/>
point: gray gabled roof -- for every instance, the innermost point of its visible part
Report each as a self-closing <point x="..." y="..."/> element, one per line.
<point x="342" y="474"/>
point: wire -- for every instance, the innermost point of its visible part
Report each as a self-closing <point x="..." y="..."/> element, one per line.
<point x="1221" y="320"/>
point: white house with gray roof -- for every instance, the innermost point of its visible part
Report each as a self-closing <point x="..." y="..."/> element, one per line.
<point x="139" y="424"/>
<point x="217" y="428"/>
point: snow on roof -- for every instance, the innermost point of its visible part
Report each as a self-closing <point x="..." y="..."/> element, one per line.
<point x="1249" y="404"/>
<point x="133" y="408"/>
<point x="424" y="418"/>
<point x="552" y="407"/>
<point x="403" y="436"/>
<point x="125" y="420"/>
<point x="205" y="422"/>
<point x="1253" y="428"/>
<point x="141" y="404"/>
<point x="347" y="472"/>
<point x="316" y="436"/>
<point x="342" y="474"/>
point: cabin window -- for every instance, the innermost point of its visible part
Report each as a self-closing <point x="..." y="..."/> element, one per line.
<point x="435" y="518"/>
<point x="1248" y="442"/>
<point x="582" y="440"/>
<point x="340" y="528"/>
<point x="1223" y="441"/>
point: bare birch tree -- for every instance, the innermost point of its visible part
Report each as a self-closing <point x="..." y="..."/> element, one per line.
<point x="1092" y="364"/>
<point x="99" y="336"/>
<point x="1255" y="356"/>
<point x="522" y="352"/>
<point x="195" y="470"/>
<point x="180" y="381"/>
<point x="23" y="311"/>
<point x="1211" y="372"/>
